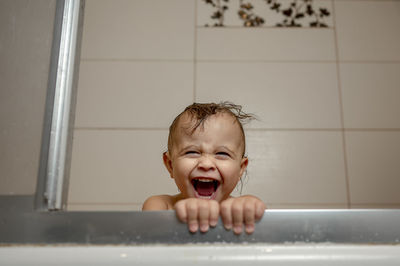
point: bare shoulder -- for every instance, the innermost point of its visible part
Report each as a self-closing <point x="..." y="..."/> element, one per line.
<point x="158" y="203"/>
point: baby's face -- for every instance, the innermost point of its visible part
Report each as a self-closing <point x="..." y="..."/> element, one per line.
<point x="208" y="163"/>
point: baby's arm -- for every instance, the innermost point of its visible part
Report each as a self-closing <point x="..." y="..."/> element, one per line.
<point x="242" y="210"/>
<point x="156" y="203"/>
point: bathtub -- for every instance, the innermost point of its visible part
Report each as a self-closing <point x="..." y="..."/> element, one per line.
<point x="203" y="254"/>
<point x="282" y="237"/>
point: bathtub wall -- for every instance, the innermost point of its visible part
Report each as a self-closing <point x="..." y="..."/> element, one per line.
<point x="26" y="34"/>
<point x="327" y="98"/>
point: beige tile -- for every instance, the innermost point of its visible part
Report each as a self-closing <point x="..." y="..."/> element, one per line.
<point x="19" y="157"/>
<point x="368" y="30"/>
<point x="371" y="95"/>
<point x="26" y="33"/>
<point x="259" y="44"/>
<point x="307" y="206"/>
<point x="375" y="206"/>
<point x="296" y="168"/>
<point x="118" y="167"/>
<point x="140" y="29"/>
<point x="373" y="165"/>
<point x="132" y="94"/>
<point x="282" y="95"/>
<point x="104" y="207"/>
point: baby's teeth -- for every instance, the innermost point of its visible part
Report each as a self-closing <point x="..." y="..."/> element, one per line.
<point x="205" y="180"/>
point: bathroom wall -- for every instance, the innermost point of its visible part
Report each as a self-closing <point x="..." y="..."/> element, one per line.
<point x="328" y="134"/>
<point x="26" y="34"/>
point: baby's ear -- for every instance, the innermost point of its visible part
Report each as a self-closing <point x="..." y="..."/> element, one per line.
<point x="243" y="165"/>
<point x="167" y="162"/>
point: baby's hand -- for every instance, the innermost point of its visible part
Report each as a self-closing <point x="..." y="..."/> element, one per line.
<point x="198" y="212"/>
<point x="242" y="210"/>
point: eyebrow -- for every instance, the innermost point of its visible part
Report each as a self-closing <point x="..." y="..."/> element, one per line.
<point x="229" y="150"/>
<point x="224" y="147"/>
<point x="189" y="147"/>
<point x="197" y="147"/>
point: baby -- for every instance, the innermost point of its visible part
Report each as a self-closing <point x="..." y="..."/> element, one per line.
<point x="205" y="157"/>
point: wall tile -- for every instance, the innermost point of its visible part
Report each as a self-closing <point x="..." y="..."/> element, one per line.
<point x="288" y="168"/>
<point x="118" y="167"/>
<point x="230" y="17"/>
<point x="314" y="206"/>
<point x="132" y="94"/>
<point x="373" y="165"/>
<point x="282" y="95"/>
<point x="26" y="33"/>
<point x="259" y="44"/>
<point x="20" y="154"/>
<point x="140" y="29"/>
<point x="368" y="30"/>
<point x="371" y="95"/>
<point x="296" y="168"/>
<point x="105" y="207"/>
<point x="375" y="206"/>
<point x="260" y="9"/>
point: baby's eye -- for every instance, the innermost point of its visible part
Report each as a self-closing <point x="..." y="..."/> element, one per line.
<point x="192" y="153"/>
<point x="223" y="154"/>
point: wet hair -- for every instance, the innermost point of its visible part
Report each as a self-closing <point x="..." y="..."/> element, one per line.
<point x="199" y="112"/>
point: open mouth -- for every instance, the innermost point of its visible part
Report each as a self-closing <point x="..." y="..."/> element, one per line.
<point x="205" y="187"/>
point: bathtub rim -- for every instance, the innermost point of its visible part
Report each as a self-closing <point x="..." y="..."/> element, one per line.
<point x="20" y="223"/>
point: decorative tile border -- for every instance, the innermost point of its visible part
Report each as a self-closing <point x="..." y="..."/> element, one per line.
<point x="291" y="13"/>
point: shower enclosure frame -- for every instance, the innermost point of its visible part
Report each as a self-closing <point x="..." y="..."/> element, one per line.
<point x="55" y="159"/>
<point x="49" y="223"/>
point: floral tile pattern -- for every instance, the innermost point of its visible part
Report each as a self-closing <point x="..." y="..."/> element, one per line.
<point x="275" y="13"/>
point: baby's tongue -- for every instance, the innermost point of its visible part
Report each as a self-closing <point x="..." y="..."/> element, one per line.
<point x="205" y="189"/>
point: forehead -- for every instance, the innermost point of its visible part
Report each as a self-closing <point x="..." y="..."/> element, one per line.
<point x="219" y="129"/>
<point x="188" y="124"/>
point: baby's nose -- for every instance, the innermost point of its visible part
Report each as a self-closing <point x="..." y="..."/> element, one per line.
<point x="206" y="163"/>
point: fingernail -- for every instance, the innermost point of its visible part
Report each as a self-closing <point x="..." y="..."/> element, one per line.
<point x="249" y="228"/>
<point x="204" y="228"/>
<point x="213" y="223"/>
<point x="193" y="228"/>
<point x="228" y="226"/>
<point x="237" y="229"/>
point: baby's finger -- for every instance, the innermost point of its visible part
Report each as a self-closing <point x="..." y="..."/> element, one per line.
<point x="214" y="212"/>
<point x="181" y="212"/>
<point x="192" y="212"/>
<point x="226" y="214"/>
<point x="260" y="209"/>
<point x="203" y="215"/>
<point x="237" y="218"/>
<point x="249" y="216"/>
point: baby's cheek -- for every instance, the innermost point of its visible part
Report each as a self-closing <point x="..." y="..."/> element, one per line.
<point x="231" y="180"/>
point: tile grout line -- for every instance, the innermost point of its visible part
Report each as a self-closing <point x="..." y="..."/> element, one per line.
<point x="306" y="205"/>
<point x="105" y="203"/>
<point x="311" y="205"/>
<point x="366" y="0"/>
<point x="233" y="27"/>
<point x="120" y="128"/>
<point x="372" y="129"/>
<point x="249" y="129"/>
<point x="135" y="60"/>
<point x="195" y="53"/>
<point x="340" y="93"/>
<point x="375" y="205"/>
<point x="283" y="61"/>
